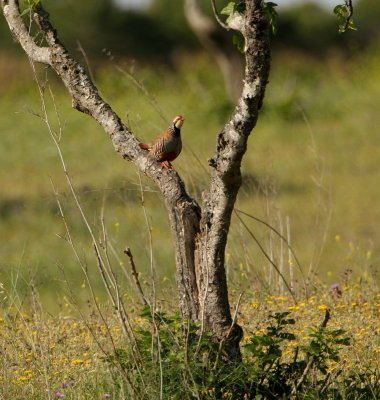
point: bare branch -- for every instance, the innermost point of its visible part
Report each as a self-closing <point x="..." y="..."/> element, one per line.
<point x="135" y="275"/>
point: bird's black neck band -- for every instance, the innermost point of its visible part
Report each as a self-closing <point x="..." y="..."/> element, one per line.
<point x="176" y="131"/>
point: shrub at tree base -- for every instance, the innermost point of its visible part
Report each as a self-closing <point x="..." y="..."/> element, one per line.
<point x="185" y="365"/>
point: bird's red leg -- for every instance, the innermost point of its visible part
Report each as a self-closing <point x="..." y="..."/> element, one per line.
<point x="167" y="165"/>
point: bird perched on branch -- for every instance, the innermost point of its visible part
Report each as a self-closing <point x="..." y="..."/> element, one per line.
<point x="168" y="145"/>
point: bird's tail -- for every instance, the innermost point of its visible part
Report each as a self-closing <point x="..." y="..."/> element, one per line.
<point x="144" y="146"/>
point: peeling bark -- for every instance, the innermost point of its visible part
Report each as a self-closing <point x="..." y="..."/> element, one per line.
<point x="199" y="235"/>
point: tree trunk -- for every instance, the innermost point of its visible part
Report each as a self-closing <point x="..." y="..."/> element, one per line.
<point x="199" y="234"/>
<point x="220" y="197"/>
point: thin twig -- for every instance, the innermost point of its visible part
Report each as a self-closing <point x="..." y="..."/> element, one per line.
<point x="81" y="49"/>
<point x="151" y="257"/>
<point x="153" y="304"/>
<point x="117" y="303"/>
<point x="217" y="17"/>
<point x="107" y="278"/>
<point x="121" y="263"/>
<point x="234" y="319"/>
<point x="118" y="363"/>
<point x="82" y="265"/>
<point x="281" y="262"/>
<point x="152" y="101"/>
<point x="123" y="316"/>
<point x="312" y="358"/>
<point x="330" y="378"/>
<point x="290" y="261"/>
<point x="135" y="275"/>
<point x="103" y="275"/>
<point x="186" y="359"/>
<point x="267" y="257"/>
<point x="327" y="215"/>
<point x="85" y="273"/>
<point x="350" y="9"/>
<point x="282" y="237"/>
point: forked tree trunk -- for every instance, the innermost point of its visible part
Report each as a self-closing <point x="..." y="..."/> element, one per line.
<point x="199" y="233"/>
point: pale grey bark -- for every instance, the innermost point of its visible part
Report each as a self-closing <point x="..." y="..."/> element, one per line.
<point x="199" y="234"/>
<point x="219" y="199"/>
<point x="19" y="31"/>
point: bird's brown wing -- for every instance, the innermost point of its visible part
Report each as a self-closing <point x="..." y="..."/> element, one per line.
<point x="159" y="146"/>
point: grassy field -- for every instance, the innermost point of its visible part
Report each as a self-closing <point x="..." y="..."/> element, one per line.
<point x="68" y="355"/>
<point x="311" y="171"/>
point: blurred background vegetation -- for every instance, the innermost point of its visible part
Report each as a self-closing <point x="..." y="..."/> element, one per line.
<point x="311" y="168"/>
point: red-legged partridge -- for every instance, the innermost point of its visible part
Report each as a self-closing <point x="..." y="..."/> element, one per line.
<point x="166" y="147"/>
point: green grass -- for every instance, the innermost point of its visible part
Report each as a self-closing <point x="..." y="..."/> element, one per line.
<point x="312" y="159"/>
<point x="311" y="168"/>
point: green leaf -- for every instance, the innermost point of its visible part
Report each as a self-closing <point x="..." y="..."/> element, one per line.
<point x="146" y="313"/>
<point x="239" y="41"/>
<point x="337" y="332"/>
<point x="287" y="336"/>
<point x="271" y="13"/>
<point x="351" y="25"/>
<point x="228" y="9"/>
<point x="240" y="7"/>
<point x="341" y="11"/>
<point x="315" y="348"/>
<point x="344" y="342"/>
<point x="233" y="7"/>
<point x="30" y="5"/>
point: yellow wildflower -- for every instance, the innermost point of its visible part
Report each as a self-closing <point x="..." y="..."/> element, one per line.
<point x="77" y="362"/>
